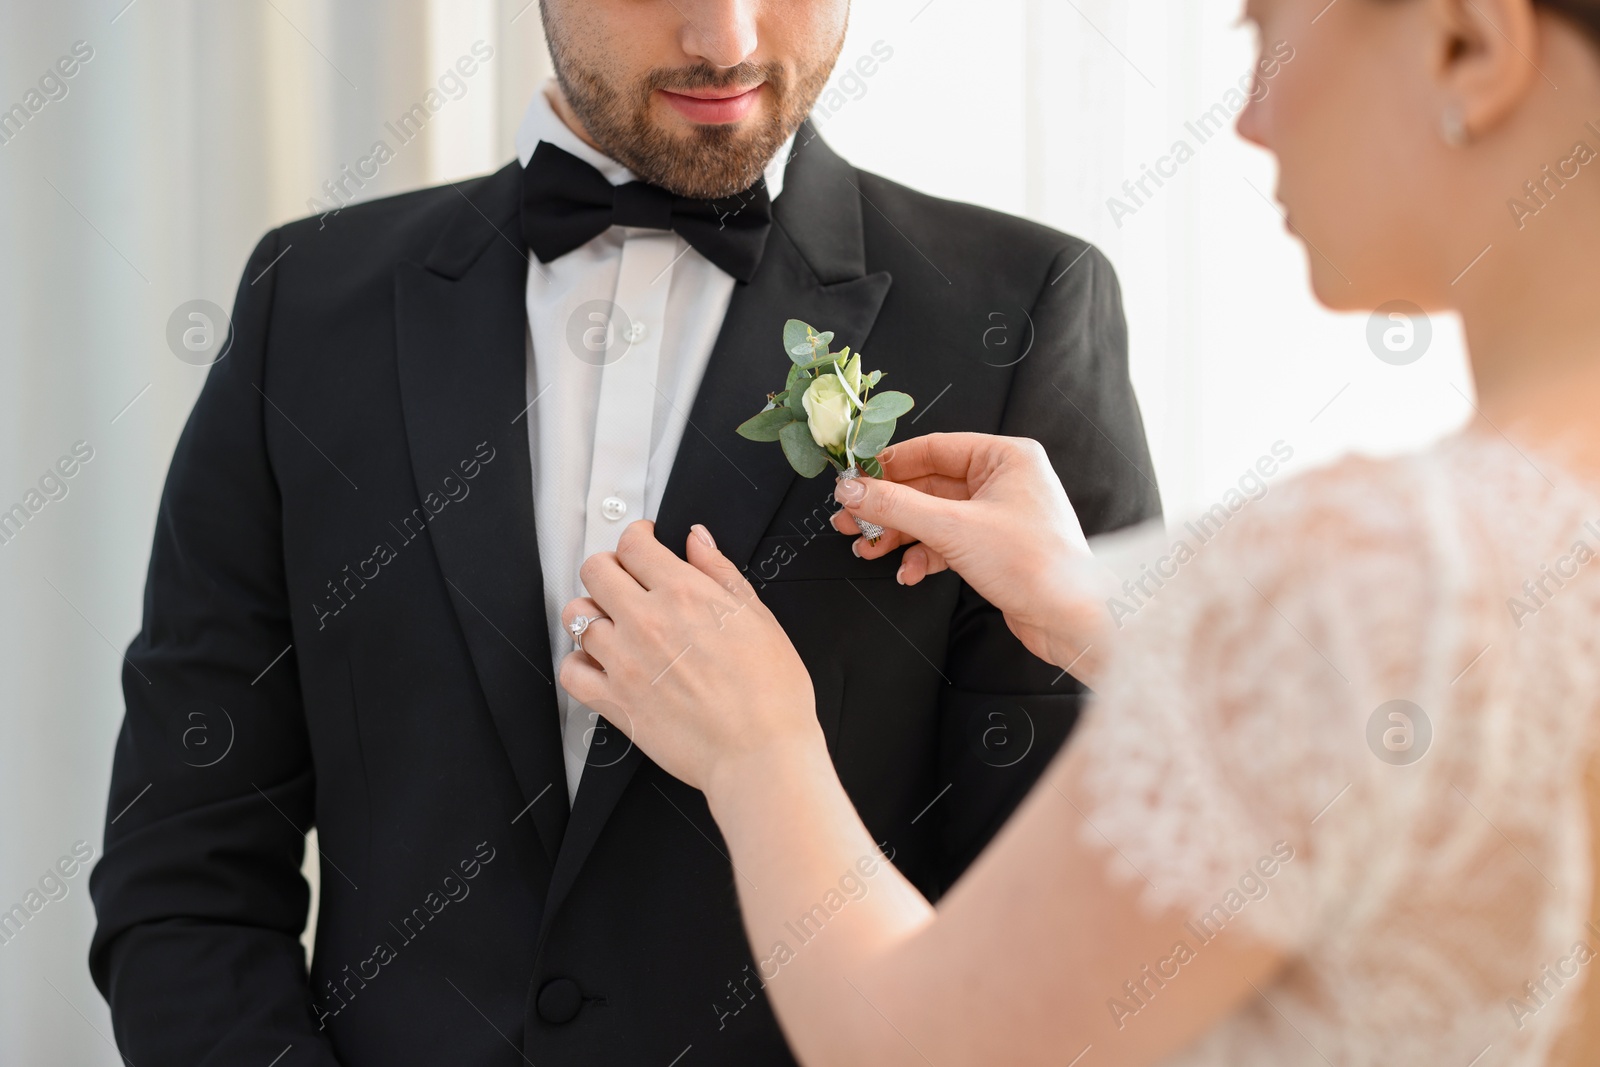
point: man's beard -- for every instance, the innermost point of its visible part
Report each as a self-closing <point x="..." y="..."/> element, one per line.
<point x="712" y="161"/>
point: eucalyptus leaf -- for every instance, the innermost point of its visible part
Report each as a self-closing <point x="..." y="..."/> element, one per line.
<point x="796" y="402"/>
<point x="767" y="425"/>
<point x="886" y="407"/>
<point x="820" y="363"/>
<point x="802" y="452"/>
<point x="867" y="439"/>
<point x="874" y="378"/>
<point x="871" y="468"/>
<point x="797" y="340"/>
<point x="824" y="339"/>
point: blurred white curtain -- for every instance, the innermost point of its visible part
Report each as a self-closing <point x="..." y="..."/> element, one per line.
<point x="194" y="128"/>
<point x="198" y="125"/>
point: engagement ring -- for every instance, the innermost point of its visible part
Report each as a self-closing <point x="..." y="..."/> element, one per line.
<point x="577" y="627"/>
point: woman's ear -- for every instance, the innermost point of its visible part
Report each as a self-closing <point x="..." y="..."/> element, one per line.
<point x="1486" y="55"/>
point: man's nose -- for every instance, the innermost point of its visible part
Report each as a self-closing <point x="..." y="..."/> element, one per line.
<point x="722" y="32"/>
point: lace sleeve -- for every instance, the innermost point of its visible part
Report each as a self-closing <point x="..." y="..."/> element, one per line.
<point x="1232" y="747"/>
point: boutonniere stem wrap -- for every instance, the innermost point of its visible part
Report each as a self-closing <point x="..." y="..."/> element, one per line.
<point x="828" y="413"/>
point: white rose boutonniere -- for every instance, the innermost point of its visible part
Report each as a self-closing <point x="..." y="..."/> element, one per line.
<point x="827" y="414"/>
<point x="827" y="411"/>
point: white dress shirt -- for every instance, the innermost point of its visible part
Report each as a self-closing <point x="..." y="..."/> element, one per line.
<point x="620" y="331"/>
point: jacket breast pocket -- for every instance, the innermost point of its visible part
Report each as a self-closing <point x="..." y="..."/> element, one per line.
<point x="824" y="557"/>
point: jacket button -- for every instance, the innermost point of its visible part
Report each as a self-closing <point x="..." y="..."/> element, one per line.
<point x="559" y="1001"/>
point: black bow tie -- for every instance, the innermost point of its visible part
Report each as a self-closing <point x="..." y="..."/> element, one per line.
<point x="566" y="203"/>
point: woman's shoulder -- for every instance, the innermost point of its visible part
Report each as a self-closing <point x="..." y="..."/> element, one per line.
<point x="1353" y="503"/>
<point x="1355" y="521"/>
<point x="1280" y="652"/>
<point x="1371" y="561"/>
<point x="1466" y="502"/>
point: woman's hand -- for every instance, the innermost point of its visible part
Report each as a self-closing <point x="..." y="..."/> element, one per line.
<point x="688" y="662"/>
<point x="992" y="509"/>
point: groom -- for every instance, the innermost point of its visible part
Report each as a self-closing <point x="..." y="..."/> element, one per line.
<point x="434" y="408"/>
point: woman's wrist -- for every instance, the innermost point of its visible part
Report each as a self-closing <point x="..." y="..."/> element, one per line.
<point x="751" y="777"/>
<point x="1071" y="609"/>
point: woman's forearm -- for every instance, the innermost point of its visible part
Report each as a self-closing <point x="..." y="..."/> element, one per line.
<point x="819" y="898"/>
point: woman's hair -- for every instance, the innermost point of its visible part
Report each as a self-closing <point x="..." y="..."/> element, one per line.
<point x="1584" y="13"/>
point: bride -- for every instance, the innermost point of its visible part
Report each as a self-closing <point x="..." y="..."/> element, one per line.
<point x="1331" y="803"/>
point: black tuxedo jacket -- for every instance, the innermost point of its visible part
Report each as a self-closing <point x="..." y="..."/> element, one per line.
<point x="344" y="628"/>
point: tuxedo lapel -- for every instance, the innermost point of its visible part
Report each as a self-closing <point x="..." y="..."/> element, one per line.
<point x="813" y="269"/>
<point x="732" y="485"/>
<point x="460" y="341"/>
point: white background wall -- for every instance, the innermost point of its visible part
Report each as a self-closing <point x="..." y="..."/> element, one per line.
<point x="199" y="125"/>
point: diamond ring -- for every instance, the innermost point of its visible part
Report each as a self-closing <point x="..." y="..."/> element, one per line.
<point x="578" y="626"/>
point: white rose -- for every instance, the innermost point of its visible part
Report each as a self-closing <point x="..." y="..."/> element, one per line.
<point x="827" y="411"/>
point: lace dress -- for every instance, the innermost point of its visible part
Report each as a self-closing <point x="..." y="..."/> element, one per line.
<point x="1424" y="865"/>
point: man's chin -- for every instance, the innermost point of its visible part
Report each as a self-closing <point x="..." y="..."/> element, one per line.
<point x="709" y="161"/>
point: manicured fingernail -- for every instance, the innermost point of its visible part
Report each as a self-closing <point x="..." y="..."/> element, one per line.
<point x="900" y="574"/>
<point x="849" y="492"/>
<point x="704" y="535"/>
<point x="855" y="546"/>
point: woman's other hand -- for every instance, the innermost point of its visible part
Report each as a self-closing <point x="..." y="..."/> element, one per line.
<point x="687" y="662"/>
<point x="991" y="509"/>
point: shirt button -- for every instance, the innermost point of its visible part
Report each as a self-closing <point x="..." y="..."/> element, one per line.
<point x="635" y="332"/>
<point x="613" y="508"/>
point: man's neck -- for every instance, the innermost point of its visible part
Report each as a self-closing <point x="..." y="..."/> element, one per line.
<point x="563" y="109"/>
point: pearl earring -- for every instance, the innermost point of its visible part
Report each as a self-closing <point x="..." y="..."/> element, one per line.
<point x="1454" y="127"/>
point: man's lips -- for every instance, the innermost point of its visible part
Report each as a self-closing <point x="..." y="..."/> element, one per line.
<point x="714" y="106"/>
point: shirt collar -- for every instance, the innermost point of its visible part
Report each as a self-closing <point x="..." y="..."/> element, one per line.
<point x="541" y="123"/>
